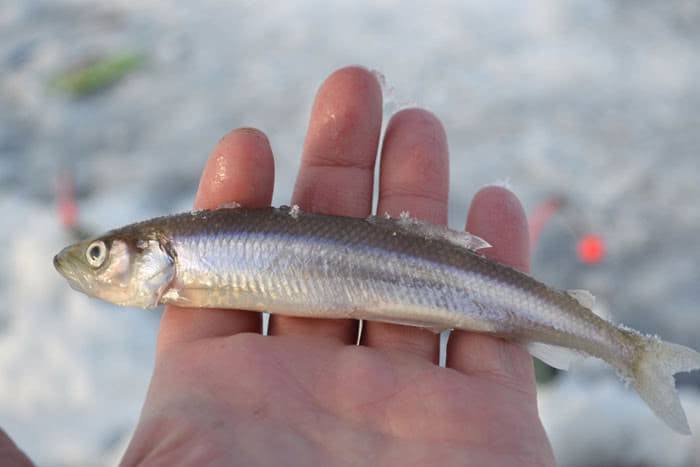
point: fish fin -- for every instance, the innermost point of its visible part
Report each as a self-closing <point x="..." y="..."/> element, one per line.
<point x="555" y="356"/>
<point x="463" y="239"/>
<point x="651" y="374"/>
<point x="427" y="230"/>
<point x="436" y="329"/>
<point x="583" y="297"/>
<point x="587" y="300"/>
<point x="440" y="329"/>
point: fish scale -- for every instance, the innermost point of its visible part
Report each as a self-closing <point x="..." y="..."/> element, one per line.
<point x="393" y="269"/>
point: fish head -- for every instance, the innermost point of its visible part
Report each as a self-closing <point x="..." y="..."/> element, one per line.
<point x="120" y="268"/>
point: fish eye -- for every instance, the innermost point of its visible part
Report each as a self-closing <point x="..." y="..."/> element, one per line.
<point x="96" y="253"/>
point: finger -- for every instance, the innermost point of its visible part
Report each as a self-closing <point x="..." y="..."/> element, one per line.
<point x="337" y="170"/>
<point x="240" y="169"/>
<point x="10" y="454"/>
<point x="497" y="216"/>
<point x="414" y="178"/>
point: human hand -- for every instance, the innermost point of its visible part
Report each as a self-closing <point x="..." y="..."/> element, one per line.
<point x="223" y="394"/>
<point x="10" y="454"/>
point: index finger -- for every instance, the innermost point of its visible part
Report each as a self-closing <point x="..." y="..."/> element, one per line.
<point x="241" y="170"/>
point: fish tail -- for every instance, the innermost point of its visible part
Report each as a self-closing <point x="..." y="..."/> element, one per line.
<point x="651" y="374"/>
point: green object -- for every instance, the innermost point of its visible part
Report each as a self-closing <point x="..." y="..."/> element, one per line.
<point x="98" y="74"/>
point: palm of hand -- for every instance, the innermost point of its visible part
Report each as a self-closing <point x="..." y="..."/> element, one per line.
<point x="222" y="394"/>
<point x="253" y="400"/>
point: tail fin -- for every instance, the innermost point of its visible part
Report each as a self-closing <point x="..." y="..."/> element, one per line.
<point x="651" y="374"/>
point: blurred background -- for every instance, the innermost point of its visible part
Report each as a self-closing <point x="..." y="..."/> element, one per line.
<point x="587" y="108"/>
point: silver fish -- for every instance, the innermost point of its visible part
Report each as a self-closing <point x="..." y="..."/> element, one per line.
<point x="400" y="271"/>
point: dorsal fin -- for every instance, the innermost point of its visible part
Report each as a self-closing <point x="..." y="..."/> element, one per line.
<point x="427" y="230"/>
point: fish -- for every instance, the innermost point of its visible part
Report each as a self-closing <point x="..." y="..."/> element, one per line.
<point x="395" y="270"/>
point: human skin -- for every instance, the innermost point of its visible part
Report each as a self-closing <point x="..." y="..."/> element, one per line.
<point x="223" y="394"/>
<point x="10" y="454"/>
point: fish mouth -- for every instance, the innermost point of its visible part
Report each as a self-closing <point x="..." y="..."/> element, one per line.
<point x="69" y="267"/>
<point x="62" y="263"/>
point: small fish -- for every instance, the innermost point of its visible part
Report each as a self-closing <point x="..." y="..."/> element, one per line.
<point x="401" y="271"/>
